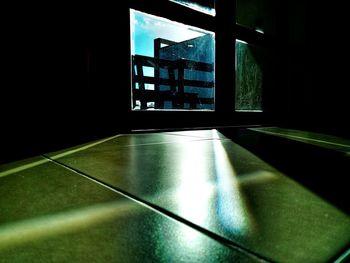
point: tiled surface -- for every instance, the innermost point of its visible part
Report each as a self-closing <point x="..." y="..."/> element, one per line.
<point x="214" y="183"/>
<point x="51" y="214"/>
<point x="207" y="134"/>
<point x="323" y="140"/>
<point x="127" y="140"/>
<point x="324" y="170"/>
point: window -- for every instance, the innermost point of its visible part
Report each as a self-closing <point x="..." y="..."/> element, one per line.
<point x="176" y="43"/>
<point x="172" y="65"/>
<point x="249" y="77"/>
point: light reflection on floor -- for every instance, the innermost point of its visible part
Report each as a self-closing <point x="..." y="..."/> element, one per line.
<point x="232" y="211"/>
<point x="43" y="227"/>
<point x="196" y="178"/>
<point x="195" y="190"/>
<point x="323" y="140"/>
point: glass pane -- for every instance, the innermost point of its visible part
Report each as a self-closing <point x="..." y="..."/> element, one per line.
<point x="250" y="62"/>
<point x="204" y="6"/>
<point x="172" y="65"/>
<point x="259" y="15"/>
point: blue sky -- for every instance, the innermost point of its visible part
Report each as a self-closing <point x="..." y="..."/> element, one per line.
<point x="145" y="28"/>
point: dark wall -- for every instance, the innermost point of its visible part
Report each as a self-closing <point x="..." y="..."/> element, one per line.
<point x="317" y="80"/>
<point x="60" y="80"/>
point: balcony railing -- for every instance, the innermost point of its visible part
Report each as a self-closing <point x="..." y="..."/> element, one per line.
<point x="176" y="93"/>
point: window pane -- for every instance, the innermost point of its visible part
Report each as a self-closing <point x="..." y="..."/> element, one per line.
<point x="257" y="14"/>
<point x="173" y="65"/>
<point x="249" y="77"/>
<point x="204" y="6"/>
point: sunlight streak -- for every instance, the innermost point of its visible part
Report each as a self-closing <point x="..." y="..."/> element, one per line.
<point x="231" y="206"/>
<point x="195" y="191"/>
<point x="55" y="156"/>
<point x="61" y="223"/>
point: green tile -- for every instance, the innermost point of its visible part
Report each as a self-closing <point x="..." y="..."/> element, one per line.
<point x="318" y="139"/>
<point x="206" y="134"/>
<point x="17" y="166"/>
<point x="44" y="189"/>
<point x="51" y="214"/>
<point x="126" y="140"/>
<point x="224" y="188"/>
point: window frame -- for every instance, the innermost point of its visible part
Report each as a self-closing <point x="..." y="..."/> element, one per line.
<point x="226" y="31"/>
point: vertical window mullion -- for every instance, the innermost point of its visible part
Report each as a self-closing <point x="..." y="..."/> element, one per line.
<point x="225" y="58"/>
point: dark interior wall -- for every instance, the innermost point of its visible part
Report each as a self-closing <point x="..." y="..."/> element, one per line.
<point x="317" y="54"/>
<point x="330" y="71"/>
<point x="297" y="76"/>
<point x="60" y="79"/>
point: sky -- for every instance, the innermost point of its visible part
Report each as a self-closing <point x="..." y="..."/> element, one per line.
<point x="145" y="28"/>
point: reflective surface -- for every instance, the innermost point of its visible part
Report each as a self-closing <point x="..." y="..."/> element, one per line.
<point x="218" y="185"/>
<point x="204" y="134"/>
<point x="51" y="214"/>
<point x="323" y="140"/>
